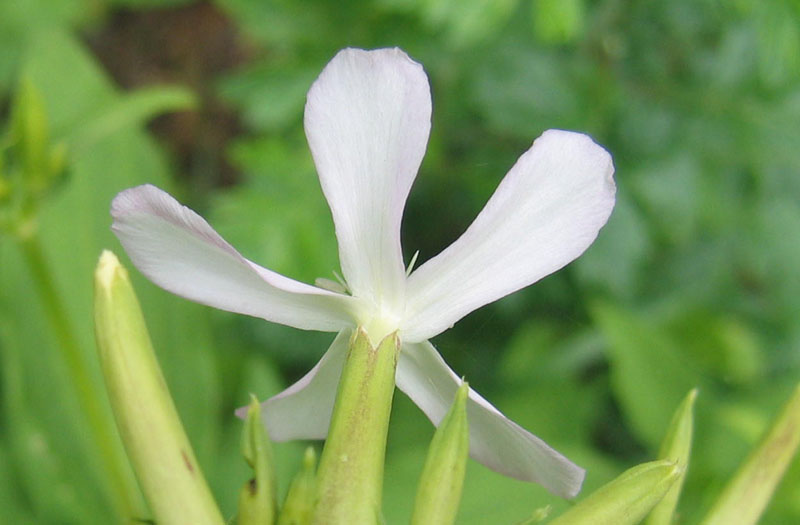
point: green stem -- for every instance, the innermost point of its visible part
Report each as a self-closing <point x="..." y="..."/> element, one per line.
<point x="125" y="492"/>
<point x="350" y="478"/>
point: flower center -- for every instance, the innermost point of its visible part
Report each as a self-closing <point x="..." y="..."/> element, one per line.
<point x="379" y="326"/>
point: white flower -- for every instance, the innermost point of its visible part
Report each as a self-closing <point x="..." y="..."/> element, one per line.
<point x="367" y="120"/>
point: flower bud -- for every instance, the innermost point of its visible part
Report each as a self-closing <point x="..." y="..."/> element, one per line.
<point x="30" y="134"/>
<point x="625" y="500"/>
<point x="676" y="447"/>
<point x="350" y="476"/>
<point x="439" y="490"/>
<point x="747" y="494"/>
<point x="257" y="499"/>
<point x="298" y="507"/>
<point x="148" y="423"/>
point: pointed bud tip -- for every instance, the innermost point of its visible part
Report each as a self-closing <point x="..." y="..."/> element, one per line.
<point x="108" y="267"/>
<point x="254" y="407"/>
<point x="309" y="458"/>
<point x="463" y="390"/>
<point x="442" y="478"/>
<point x="462" y="395"/>
<point x="692" y="395"/>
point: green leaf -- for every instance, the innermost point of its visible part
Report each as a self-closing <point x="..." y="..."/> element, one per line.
<point x="521" y="90"/>
<point x="649" y="371"/>
<point x="128" y="111"/>
<point x="14" y="506"/>
<point x="616" y="261"/>
<point x="47" y="480"/>
<point x="467" y="22"/>
<point x="558" y="21"/>
<point x="272" y="96"/>
<point x="277" y="215"/>
<point x="73" y="229"/>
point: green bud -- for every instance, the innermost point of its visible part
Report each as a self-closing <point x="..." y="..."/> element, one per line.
<point x="558" y="21"/>
<point x="747" y="494"/>
<point x="625" y="500"/>
<point x="30" y="134"/>
<point x="257" y="499"/>
<point x="148" y="423"/>
<point x="57" y="160"/>
<point x="676" y="447"/>
<point x="439" y="490"/>
<point x="350" y="477"/>
<point x="299" y="504"/>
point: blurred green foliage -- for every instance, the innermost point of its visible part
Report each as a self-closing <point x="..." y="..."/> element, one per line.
<point x="694" y="281"/>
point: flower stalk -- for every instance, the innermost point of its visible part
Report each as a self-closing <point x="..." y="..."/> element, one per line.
<point x="151" y="431"/>
<point x="350" y="476"/>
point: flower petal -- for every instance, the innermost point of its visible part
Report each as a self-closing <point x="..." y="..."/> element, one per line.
<point x="367" y="120"/>
<point x="177" y="249"/>
<point x="547" y="210"/>
<point x="303" y="411"/>
<point x="494" y="440"/>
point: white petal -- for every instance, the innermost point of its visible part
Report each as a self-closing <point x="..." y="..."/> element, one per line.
<point x="547" y="210"/>
<point x="494" y="440"/>
<point x="367" y="120"/>
<point x="177" y="249"/>
<point x="303" y="411"/>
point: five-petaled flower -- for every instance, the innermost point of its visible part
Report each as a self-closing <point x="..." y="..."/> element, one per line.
<point x="367" y="119"/>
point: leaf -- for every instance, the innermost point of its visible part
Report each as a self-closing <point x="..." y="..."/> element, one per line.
<point x="128" y="111"/>
<point x="617" y="260"/>
<point x="522" y="90"/>
<point x="272" y="97"/>
<point x="46" y="477"/>
<point x="14" y="507"/>
<point x="558" y="21"/>
<point x="278" y="217"/>
<point x="649" y="371"/>
<point x="73" y="229"/>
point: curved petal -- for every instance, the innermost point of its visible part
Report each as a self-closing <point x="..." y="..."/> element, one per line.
<point x="547" y="210"/>
<point x="367" y="120"/>
<point x="303" y="411"/>
<point x="177" y="249"/>
<point x="494" y="440"/>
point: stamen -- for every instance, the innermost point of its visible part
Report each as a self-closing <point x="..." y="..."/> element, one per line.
<point x="411" y="264"/>
<point x="331" y="286"/>
<point x="342" y="282"/>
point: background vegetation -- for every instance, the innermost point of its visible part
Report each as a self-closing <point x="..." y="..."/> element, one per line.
<point x="693" y="282"/>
